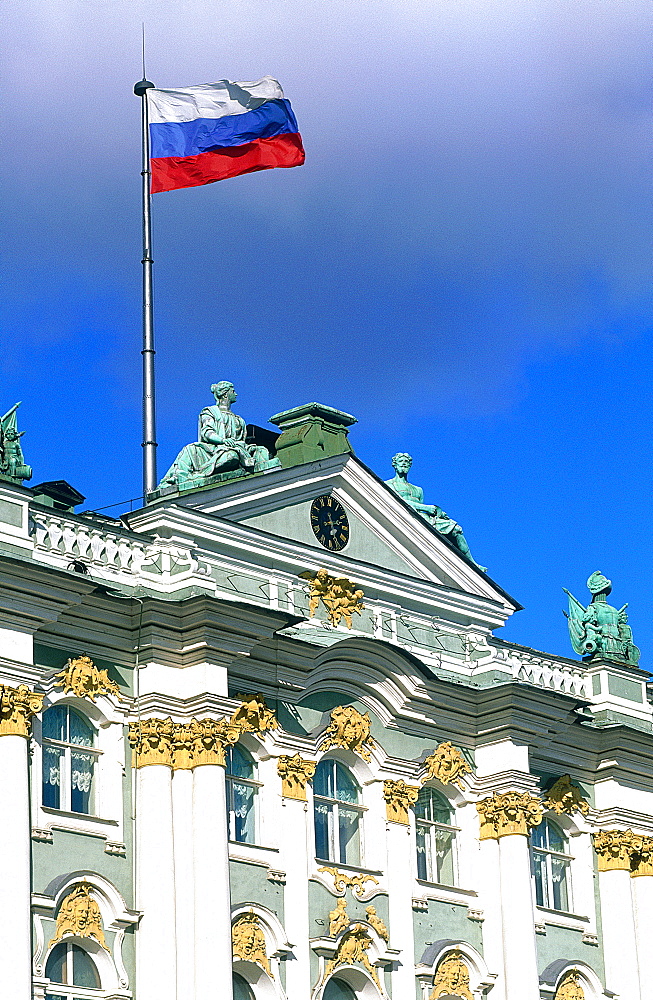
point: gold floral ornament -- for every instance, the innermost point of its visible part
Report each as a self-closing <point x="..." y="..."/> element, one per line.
<point x="570" y="988"/>
<point x="342" y="881"/>
<point x="209" y="738"/>
<point x="641" y="859"/>
<point x="295" y="773"/>
<point x="615" y="849"/>
<point x="564" y="797"/>
<point x="451" y="978"/>
<point x="82" y="678"/>
<point x="340" y="597"/>
<point x="17" y="706"/>
<point x="352" y="950"/>
<point x="152" y="741"/>
<point x="398" y="798"/>
<point x="338" y="918"/>
<point x="375" y="921"/>
<point x="447" y="764"/>
<point x="248" y="941"/>
<point x="507" y="814"/>
<point x="350" y="730"/>
<point x="253" y="716"/>
<point x="80" y="916"/>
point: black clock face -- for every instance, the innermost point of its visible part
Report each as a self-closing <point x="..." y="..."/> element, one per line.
<point x="329" y="523"/>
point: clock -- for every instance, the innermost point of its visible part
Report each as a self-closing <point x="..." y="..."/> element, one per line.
<point x="330" y="523"/>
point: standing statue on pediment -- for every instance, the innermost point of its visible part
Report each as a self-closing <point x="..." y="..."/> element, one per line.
<point x="221" y="446"/>
<point x="600" y="629"/>
<point x="414" y="496"/>
<point x="12" y="463"/>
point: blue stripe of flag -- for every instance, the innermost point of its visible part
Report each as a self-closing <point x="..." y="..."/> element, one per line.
<point x="204" y="134"/>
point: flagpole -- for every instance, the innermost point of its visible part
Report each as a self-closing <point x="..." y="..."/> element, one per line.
<point x="149" y="407"/>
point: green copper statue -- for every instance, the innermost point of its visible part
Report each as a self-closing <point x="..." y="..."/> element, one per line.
<point x="12" y="463"/>
<point x="600" y="630"/>
<point x="221" y="446"/>
<point x="414" y="495"/>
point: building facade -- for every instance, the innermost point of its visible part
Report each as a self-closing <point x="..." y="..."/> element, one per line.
<point x="258" y="740"/>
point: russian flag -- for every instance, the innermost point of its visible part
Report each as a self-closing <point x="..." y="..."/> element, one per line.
<point x="216" y="130"/>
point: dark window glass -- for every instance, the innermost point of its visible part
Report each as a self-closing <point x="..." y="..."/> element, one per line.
<point x="241" y="988"/>
<point x="337" y="989"/>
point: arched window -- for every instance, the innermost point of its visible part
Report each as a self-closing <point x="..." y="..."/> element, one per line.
<point x="551" y="866"/>
<point x="435" y="838"/>
<point x="338" y="989"/>
<point x="242" y="990"/>
<point x="69" y="966"/>
<point x="242" y="789"/>
<point x="337" y="813"/>
<point x="69" y="760"/>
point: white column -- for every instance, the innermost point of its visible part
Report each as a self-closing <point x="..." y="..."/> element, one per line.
<point x="213" y="954"/>
<point x="642" y="893"/>
<point x="156" y="973"/>
<point x="182" y="827"/>
<point x="618" y="934"/>
<point x="489" y="893"/>
<point x="401" y="850"/>
<point x="15" y="902"/>
<point x="295" y="853"/>
<point x="518" y="919"/>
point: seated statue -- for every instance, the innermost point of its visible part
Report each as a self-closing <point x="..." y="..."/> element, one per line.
<point x="414" y="495"/>
<point x="221" y="445"/>
<point x="600" y="630"/>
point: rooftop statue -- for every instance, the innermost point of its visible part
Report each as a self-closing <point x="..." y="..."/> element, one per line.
<point x="414" y="495"/>
<point x="12" y="463"/>
<point x="221" y="446"/>
<point x="600" y="630"/>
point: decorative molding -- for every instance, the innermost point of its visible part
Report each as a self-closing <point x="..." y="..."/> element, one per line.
<point x="248" y="941"/>
<point x="151" y="741"/>
<point x="338" y="918"/>
<point x="276" y="875"/>
<point x="17" y="706"/>
<point x="352" y="950"/>
<point x="340" y="597"/>
<point x="82" y="678"/>
<point x="42" y="834"/>
<point x="375" y="921"/>
<point x="420" y="904"/>
<point x="589" y="938"/>
<point x="477" y="915"/>
<point x="507" y="814"/>
<point x="451" y="978"/>
<point x="182" y="746"/>
<point x="569" y="987"/>
<point x="342" y="881"/>
<point x="398" y="797"/>
<point x="115" y="848"/>
<point x="641" y="860"/>
<point x="350" y="730"/>
<point x="447" y="764"/>
<point x="623" y="850"/>
<point x="565" y="797"/>
<point x="253" y="715"/>
<point x="295" y="773"/>
<point x="79" y="915"/>
<point x="208" y="740"/>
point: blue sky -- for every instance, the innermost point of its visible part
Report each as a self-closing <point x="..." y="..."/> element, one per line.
<point x="463" y="262"/>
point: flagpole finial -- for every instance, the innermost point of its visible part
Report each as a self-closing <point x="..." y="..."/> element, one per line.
<point x="142" y="86"/>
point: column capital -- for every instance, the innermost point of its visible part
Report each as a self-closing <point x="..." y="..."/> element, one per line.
<point x="151" y="741"/>
<point x="398" y="798"/>
<point x="641" y="861"/>
<point x="17" y="706"/>
<point x="295" y="773"/>
<point x="208" y="740"/>
<point x="623" y="850"/>
<point x="508" y="814"/>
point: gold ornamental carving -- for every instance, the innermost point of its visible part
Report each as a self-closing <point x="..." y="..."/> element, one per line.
<point x="295" y="773"/>
<point x="248" y="941"/>
<point x="152" y="741"/>
<point x="352" y="950"/>
<point x="641" y="859"/>
<point x="447" y="764"/>
<point x="375" y="921"/>
<point x="507" y="814"/>
<point x="17" y="706"/>
<point x="253" y="716"/>
<point x="614" y="849"/>
<point x="569" y="987"/>
<point x="350" y="730"/>
<point x="398" y="798"/>
<point x="82" y="678"/>
<point x="565" y="797"/>
<point x="342" y="881"/>
<point x="208" y="740"/>
<point x="451" y="978"/>
<point x="338" y="918"/>
<point x="340" y="597"/>
<point x="80" y="916"/>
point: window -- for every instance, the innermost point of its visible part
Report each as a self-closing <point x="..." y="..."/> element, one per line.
<point x="241" y="796"/>
<point x="337" y="989"/>
<point x="337" y="814"/>
<point x="69" y="760"/>
<point x="72" y="973"/>
<point x="435" y="838"/>
<point x="550" y="862"/>
<point x="241" y="988"/>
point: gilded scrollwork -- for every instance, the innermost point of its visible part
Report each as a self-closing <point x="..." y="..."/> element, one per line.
<point x="569" y="987"/>
<point x="253" y="715"/>
<point x="615" y="849"/>
<point x="352" y="950"/>
<point x="340" y="597"/>
<point x="152" y="741"/>
<point x="641" y="859"/>
<point x="398" y="798"/>
<point x="565" y="797"/>
<point x="451" y="978"/>
<point x="508" y="813"/>
<point x="79" y="915"/>
<point x="447" y="764"/>
<point x="248" y="941"/>
<point x="82" y="678"/>
<point x="17" y="706"/>
<point x="295" y="773"/>
<point x="350" y="730"/>
<point x="342" y="881"/>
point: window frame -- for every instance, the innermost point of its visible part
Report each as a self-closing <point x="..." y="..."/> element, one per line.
<point x="253" y="783"/>
<point x="66" y="749"/>
<point x="431" y="828"/>
<point x="550" y="855"/>
<point x="68" y="991"/>
<point x="334" y="806"/>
